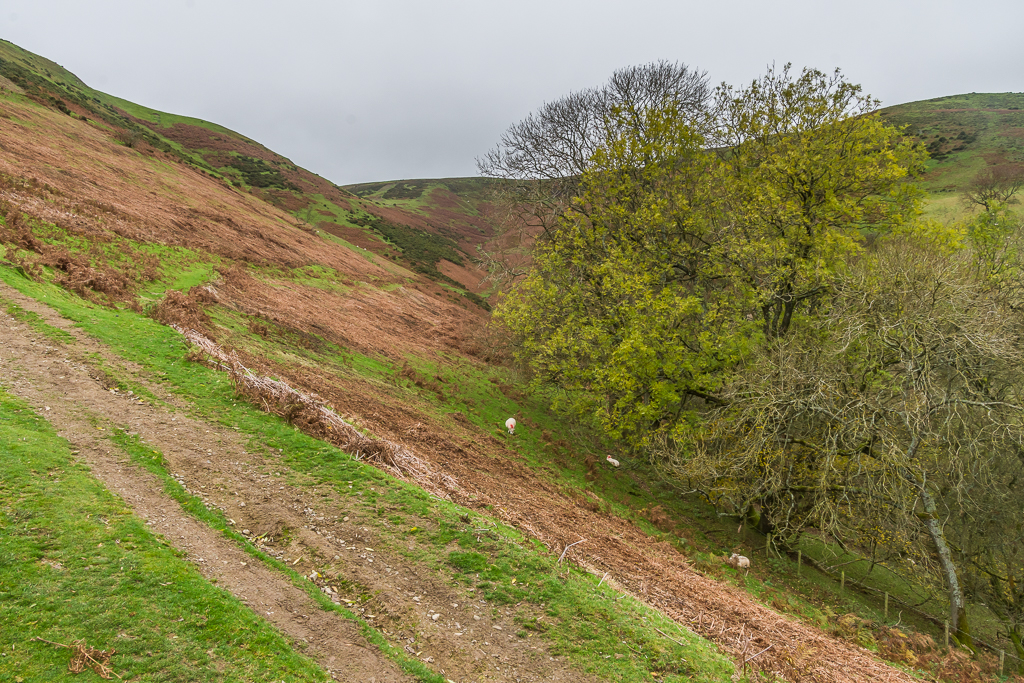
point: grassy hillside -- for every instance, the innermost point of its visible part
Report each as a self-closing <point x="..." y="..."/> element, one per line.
<point x="963" y="134"/>
<point x="322" y="462"/>
<point x="457" y="225"/>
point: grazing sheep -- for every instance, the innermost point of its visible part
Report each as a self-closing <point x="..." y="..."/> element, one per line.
<point x="612" y="461"/>
<point x="510" y="425"/>
<point x="738" y="562"/>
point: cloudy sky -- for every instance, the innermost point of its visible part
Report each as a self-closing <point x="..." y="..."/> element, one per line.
<point x="379" y="90"/>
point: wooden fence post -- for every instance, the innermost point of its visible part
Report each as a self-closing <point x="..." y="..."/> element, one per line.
<point x="887" y="605"/>
<point x="842" y="580"/>
<point x="799" y="561"/>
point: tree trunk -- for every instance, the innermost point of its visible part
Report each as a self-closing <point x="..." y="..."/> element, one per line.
<point x="957" y="613"/>
<point x="1018" y="646"/>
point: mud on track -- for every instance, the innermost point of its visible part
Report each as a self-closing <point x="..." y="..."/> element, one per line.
<point x="652" y="571"/>
<point x="217" y="464"/>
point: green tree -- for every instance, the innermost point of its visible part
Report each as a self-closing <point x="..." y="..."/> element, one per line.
<point x="885" y="412"/>
<point x="759" y="308"/>
<point x="617" y="307"/>
<point x="808" y="169"/>
<point x="674" y="259"/>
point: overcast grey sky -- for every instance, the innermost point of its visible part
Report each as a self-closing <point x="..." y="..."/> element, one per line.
<point x="363" y="91"/>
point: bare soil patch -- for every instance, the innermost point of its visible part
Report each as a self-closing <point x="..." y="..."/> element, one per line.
<point x="250" y="485"/>
<point x="489" y="474"/>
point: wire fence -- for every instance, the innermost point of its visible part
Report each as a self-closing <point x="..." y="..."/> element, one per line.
<point x="1008" y="660"/>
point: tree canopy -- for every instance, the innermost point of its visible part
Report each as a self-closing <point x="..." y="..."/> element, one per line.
<point x="753" y="300"/>
<point x="676" y="258"/>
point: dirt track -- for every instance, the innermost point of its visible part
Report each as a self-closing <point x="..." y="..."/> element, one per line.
<point x="213" y="462"/>
<point x="72" y="174"/>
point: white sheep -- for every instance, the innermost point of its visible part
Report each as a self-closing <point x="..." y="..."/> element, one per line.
<point x="738" y="562"/>
<point x="510" y="425"/>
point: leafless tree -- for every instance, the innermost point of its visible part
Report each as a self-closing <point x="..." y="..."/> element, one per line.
<point x="543" y="157"/>
<point x="887" y="410"/>
<point x="989" y="544"/>
<point x="995" y="185"/>
<point x="557" y="142"/>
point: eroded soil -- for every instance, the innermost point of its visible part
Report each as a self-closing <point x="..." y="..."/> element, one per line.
<point x="470" y="640"/>
<point x="464" y="641"/>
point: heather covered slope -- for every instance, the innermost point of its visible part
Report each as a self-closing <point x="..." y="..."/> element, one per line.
<point x="242" y="163"/>
<point x="478" y="557"/>
<point x="964" y="134"/>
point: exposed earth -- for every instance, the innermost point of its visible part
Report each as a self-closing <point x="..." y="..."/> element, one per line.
<point x="71" y="173"/>
<point x="464" y="641"/>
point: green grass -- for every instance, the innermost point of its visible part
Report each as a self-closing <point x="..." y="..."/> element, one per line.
<point x="587" y="623"/>
<point x="76" y="565"/>
<point x="963" y="133"/>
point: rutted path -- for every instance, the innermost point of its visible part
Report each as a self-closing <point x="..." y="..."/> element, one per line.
<point x="213" y="462"/>
<point x="54" y="380"/>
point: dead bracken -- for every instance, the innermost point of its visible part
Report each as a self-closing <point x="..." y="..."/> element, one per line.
<point x="313" y="417"/>
<point x="87" y="657"/>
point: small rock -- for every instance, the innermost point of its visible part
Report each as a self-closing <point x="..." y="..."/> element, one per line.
<point x="435" y="617"/>
<point x="241" y="505"/>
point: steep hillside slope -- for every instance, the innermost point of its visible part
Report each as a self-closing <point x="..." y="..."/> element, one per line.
<point x="316" y="425"/>
<point x="240" y="162"/>
<point x="964" y="134"/>
<point x="462" y="209"/>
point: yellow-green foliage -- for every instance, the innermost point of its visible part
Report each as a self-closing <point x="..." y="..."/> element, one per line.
<point x="677" y="259"/>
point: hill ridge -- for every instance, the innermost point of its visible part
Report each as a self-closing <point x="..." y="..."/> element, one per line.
<point x="365" y="301"/>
